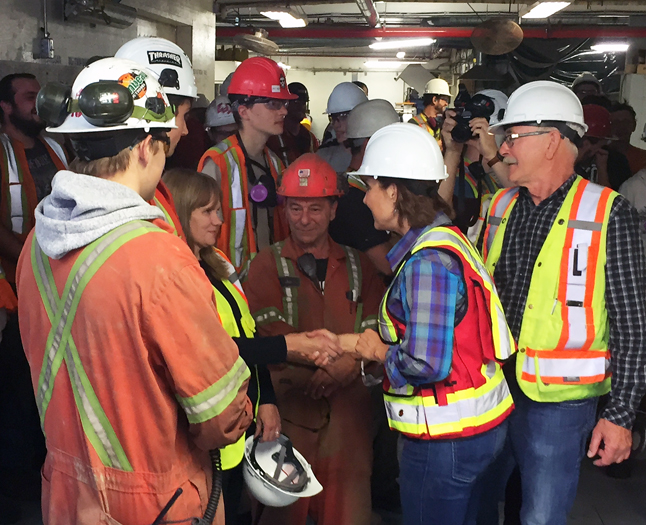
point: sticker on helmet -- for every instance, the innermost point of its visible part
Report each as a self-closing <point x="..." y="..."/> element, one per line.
<point x="164" y="57"/>
<point x="282" y="81"/>
<point x="304" y="173"/>
<point x="223" y="108"/>
<point x="135" y="82"/>
<point x="303" y="181"/>
<point x="275" y="89"/>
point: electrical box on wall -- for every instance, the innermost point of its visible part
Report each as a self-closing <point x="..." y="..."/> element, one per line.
<point x="46" y="48"/>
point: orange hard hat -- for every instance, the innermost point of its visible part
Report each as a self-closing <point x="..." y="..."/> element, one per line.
<point x="309" y="176"/>
<point x="260" y="77"/>
<point x="598" y="120"/>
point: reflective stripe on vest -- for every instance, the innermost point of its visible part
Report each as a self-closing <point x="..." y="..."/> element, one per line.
<point x="564" y="335"/>
<point x="412" y="411"/>
<point x="18" y="205"/>
<point x="167" y="216"/>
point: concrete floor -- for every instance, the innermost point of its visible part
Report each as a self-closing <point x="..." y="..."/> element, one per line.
<point x="601" y="500"/>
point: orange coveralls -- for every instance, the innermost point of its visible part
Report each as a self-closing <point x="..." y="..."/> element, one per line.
<point x="149" y="340"/>
<point x="340" y="451"/>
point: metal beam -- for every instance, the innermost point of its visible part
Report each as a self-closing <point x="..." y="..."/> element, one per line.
<point x="369" y="12"/>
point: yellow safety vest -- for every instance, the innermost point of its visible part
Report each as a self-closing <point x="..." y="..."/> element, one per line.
<point x="232" y="455"/>
<point x="422" y="122"/>
<point x="563" y="342"/>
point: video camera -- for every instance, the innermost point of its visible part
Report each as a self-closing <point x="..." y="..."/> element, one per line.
<point x="466" y="109"/>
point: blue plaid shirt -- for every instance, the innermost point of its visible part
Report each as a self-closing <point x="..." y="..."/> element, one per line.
<point x="429" y="297"/>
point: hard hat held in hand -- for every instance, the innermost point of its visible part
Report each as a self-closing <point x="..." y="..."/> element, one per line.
<point x="500" y="101"/>
<point x="368" y="117"/>
<point x="598" y="120"/>
<point x="108" y="95"/>
<point x="344" y="98"/>
<point x="219" y="113"/>
<point x="164" y="58"/>
<point x="309" y="176"/>
<point x="403" y="151"/>
<point x="543" y="101"/>
<point x="260" y="77"/>
<point x="276" y="474"/>
<point x="437" y="86"/>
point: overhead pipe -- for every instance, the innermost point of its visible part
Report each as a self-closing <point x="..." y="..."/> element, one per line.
<point x="349" y="32"/>
<point x="369" y="12"/>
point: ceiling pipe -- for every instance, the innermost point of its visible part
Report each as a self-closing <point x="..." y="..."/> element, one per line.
<point x="369" y="12"/>
<point x="349" y="32"/>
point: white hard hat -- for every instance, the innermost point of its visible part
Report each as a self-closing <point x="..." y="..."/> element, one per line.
<point x="644" y="133"/>
<point x="437" y="86"/>
<point x="543" y="101"/>
<point x="587" y="77"/>
<point x="164" y="58"/>
<point x="344" y="97"/>
<point x="219" y="113"/>
<point x="276" y="474"/>
<point x="366" y="118"/>
<point x="109" y="95"/>
<point x="500" y="104"/>
<point x="402" y="151"/>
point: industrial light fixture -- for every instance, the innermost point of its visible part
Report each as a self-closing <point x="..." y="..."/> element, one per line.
<point x="284" y="66"/>
<point x="610" y="47"/>
<point x="545" y="9"/>
<point x="286" y="18"/>
<point x="401" y="54"/>
<point x="410" y="42"/>
<point x="388" y="64"/>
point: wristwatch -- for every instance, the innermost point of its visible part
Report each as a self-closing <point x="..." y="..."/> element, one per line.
<point x="498" y="158"/>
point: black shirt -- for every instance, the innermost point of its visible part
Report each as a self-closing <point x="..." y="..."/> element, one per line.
<point x="42" y="169"/>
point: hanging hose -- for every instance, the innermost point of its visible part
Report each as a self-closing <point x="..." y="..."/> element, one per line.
<point x="216" y="490"/>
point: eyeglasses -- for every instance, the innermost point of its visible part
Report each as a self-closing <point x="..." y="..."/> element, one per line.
<point x="273" y="104"/>
<point x="339" y="117"/>
<point x="509" y="139"/>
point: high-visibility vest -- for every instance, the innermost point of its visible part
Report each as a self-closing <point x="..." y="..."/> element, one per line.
<point x="422" y="121"/>
<point x="563" y="338"/>
<point x="163" y="200"/>
<point x="474" y="397"/>
<point x="290" y="282"/>
<point x="237" y="238"/>
<point x="231" y="455"/>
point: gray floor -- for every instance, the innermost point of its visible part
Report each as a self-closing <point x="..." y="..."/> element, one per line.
<point x="601" y="500"/>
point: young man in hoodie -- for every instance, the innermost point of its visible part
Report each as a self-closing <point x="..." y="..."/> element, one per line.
<point x="150" y="381"/>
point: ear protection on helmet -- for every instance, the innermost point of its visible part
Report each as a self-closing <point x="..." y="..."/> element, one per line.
<point x="103" y="104"/>
<point x="169" y="78"/>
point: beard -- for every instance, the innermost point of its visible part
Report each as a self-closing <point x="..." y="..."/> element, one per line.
<point x="29" y="127"/>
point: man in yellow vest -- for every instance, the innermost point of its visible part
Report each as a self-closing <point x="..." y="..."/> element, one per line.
<point x="436" y="98"/>
<point x="568" y="263"/>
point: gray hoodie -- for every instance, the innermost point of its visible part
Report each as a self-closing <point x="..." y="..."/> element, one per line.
<point x="82" y="208"/>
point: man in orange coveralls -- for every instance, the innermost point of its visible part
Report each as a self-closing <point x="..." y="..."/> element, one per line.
<point x="305" y="283"/>
<point x="135" y="378"/>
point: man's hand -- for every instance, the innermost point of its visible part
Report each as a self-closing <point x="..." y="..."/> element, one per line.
<point x="321" y="385"/>
<point x="617" y="443"/>
<point x="268" y="422"/>
<point x="484" y="142"/>
<point x="371" y="348"/>
<point x="601" y="160"/>
<point x="450" y="145"/>
<point x="320" y="347"/>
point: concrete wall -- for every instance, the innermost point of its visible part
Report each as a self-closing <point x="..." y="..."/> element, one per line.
<point x="189" y="23"/>
<point x="634" y="93"/>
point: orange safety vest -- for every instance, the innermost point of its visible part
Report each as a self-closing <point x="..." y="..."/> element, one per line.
<point x="164" y="201"/>
<point x="237" y="238"/>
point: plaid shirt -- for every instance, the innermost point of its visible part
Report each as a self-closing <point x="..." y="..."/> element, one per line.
<point x="528" y="227"/>
<point x="428" y="295"/>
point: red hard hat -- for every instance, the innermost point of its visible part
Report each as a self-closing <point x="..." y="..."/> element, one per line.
<point x="260" y="77"/>
<point x="309" y="176"/>
<point x="598" y="120"/>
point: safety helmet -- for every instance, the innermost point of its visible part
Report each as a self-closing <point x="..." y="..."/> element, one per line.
<point x="298" y="89"/>
<point x="219" y="113"/>
<point x="260" y="77"/>
<point x="224" y="87"/>
<point x="437" y="86"/>
<point x="500" y="104"/>
<point x="644" y="133"/>
<point x="344" y="97"/>
<point x="110" y="94"/>
<point x="543" y="102"/>
<point x="598" y="120"/>
<point x="164" y="58"/>
<point x="368" y="117"/>
<point x="402" y="151"/>
<point x="276" y="474"/>
<point x="309" y="176"/>
<point x="588" y="78"/>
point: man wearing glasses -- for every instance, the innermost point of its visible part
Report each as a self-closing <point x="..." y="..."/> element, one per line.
<point x="567" y="260"/>
<point x="246" y="169"/>
<point x="437" y="96"/>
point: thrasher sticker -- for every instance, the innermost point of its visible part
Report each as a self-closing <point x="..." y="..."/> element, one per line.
<point x="135" y="82"/>
<point x="164" y="57"/>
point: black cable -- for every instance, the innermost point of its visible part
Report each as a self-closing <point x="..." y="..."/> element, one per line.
<point x="216" y="488"/>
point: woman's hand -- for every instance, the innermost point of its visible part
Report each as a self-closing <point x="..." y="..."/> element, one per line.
<point x="370" y="346"/>
<point x="320" y="347"/>
<point x="268" y="422"/>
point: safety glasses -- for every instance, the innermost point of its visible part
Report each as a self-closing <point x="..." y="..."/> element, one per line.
<point x="273" y="104"/>
<point x="339" y="117"/>
<point x="512" y="137"/>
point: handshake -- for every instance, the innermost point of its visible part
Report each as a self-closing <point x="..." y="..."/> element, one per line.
<point x="322" y="347"/>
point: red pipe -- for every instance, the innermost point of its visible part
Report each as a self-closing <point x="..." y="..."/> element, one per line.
<point x="438" y="32"/>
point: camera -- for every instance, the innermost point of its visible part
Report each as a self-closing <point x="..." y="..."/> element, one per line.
<point x="466" y="109"/>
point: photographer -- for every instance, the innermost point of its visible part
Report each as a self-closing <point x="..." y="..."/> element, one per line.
<point x="475" y="169"/>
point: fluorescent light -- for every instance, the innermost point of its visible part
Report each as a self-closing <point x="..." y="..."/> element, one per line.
<point x="285" y="18"/>
<point x="394" y="44"/>
<point x="610" y="47"/>
<point x="545" y="9"/>
<point x="387" y="64"/>
<point x="392" y="20"/>
<point x="284" y="66"/>
<point x="401" y="54"/>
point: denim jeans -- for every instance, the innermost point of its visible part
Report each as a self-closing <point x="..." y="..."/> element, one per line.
<point x="547" y="441"/>
<point x="439" y="479"/>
